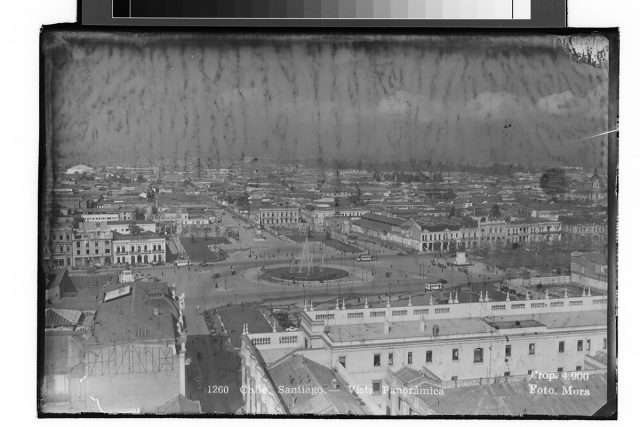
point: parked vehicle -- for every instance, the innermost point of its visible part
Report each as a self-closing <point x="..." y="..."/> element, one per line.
<point x="433" y="286"/>
<point x="181" y="263"/>
<point x="366" y="257"/>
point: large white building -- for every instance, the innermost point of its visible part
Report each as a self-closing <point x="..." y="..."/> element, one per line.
<point x="453" y="345"/>
<point x="145" y="248"/>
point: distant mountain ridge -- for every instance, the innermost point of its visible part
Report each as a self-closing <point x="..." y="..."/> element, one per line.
<point x="468" y="100"/>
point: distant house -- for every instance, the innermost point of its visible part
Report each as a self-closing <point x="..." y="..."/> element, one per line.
<point x="79" y="169"/>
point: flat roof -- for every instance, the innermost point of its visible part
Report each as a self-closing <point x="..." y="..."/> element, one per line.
<point x="407" y="329"/>
<point x="131" y="318"/>
<point x="463" y="326"/>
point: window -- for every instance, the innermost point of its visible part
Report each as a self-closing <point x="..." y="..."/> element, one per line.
<point x="454" y="354"/>
<point x="529" y="372"/>
<point x="376" y="359"/>
<point x="580" y="345"/>
<point x="454" y="378"/>
<point x="561" y="347"/>
<point x="429" y="357"/>
<point x="390" y="359"/>
<point x="560" y="369"/>
<point x="604" y="343"/>
<point x="343" y="361"/>
<point x="410" y="357"/>
<point x="578" y="368"/>
<point x="478" y="355"/>
<point x="507" y="350"/>
<point x="376" y="386"/>
<point x="532" y="348"/>
<point x="507" y="374"/>
<point x="588" y="345"/>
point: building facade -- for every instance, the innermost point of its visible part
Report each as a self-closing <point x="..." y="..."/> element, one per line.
<point x="455" y="345"/>
<point x="279" y="216"/>
<point x="58" y="248"/>
<point x="145" y="248"/>
<point x="92" y="245"/>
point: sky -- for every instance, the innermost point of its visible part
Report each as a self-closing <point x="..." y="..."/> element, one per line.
<point x="136" y="98"/>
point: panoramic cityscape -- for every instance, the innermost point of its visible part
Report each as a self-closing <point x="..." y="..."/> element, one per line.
<point x="189" y="290"/>
<point x="324" y="225"/>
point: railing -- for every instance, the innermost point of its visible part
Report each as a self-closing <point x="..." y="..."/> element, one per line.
<point x="534" y="281"/>
<point x="456" y="311"/>
<point x="273" y="340"/>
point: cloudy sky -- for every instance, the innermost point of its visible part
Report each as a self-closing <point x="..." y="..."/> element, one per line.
<point x="466" y="99"/>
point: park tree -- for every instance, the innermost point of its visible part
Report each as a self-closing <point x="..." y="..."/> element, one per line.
<point x="495" y="211"/>
<point x="554" y="182"/>
<point x="135" y="229"/>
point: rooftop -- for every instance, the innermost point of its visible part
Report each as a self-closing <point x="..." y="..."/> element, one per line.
<point x="296" y="375"/>
<point x="148" y="235"/>
<point x="131" y="318"/>
<point x="513" y="398"/>
<point x="407" y="329"/>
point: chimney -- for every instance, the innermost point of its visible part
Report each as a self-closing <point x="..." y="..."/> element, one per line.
<point x="366" y="303"/>
<point x="409" y="304"/>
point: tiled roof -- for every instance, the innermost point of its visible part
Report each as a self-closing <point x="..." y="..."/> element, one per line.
<point x="297" y="372"/>
<point x="514" y="398"/>
<point x="58" y="317"/>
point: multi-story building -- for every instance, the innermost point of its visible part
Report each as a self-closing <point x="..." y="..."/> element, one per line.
<point x="520" y="232"/>
<point x="91" y="244"/>
<point x="444" y="234"/>
<point x="582" y="229"/>
<point x="145" y="248"/>
<point x="316" y="214"/>
<point x="286" y="216"/>
<point x="100" y="217"/>
<point x="452" y="345"/>
<point x="58" y="246"/>
<point x="133" y="357"/>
